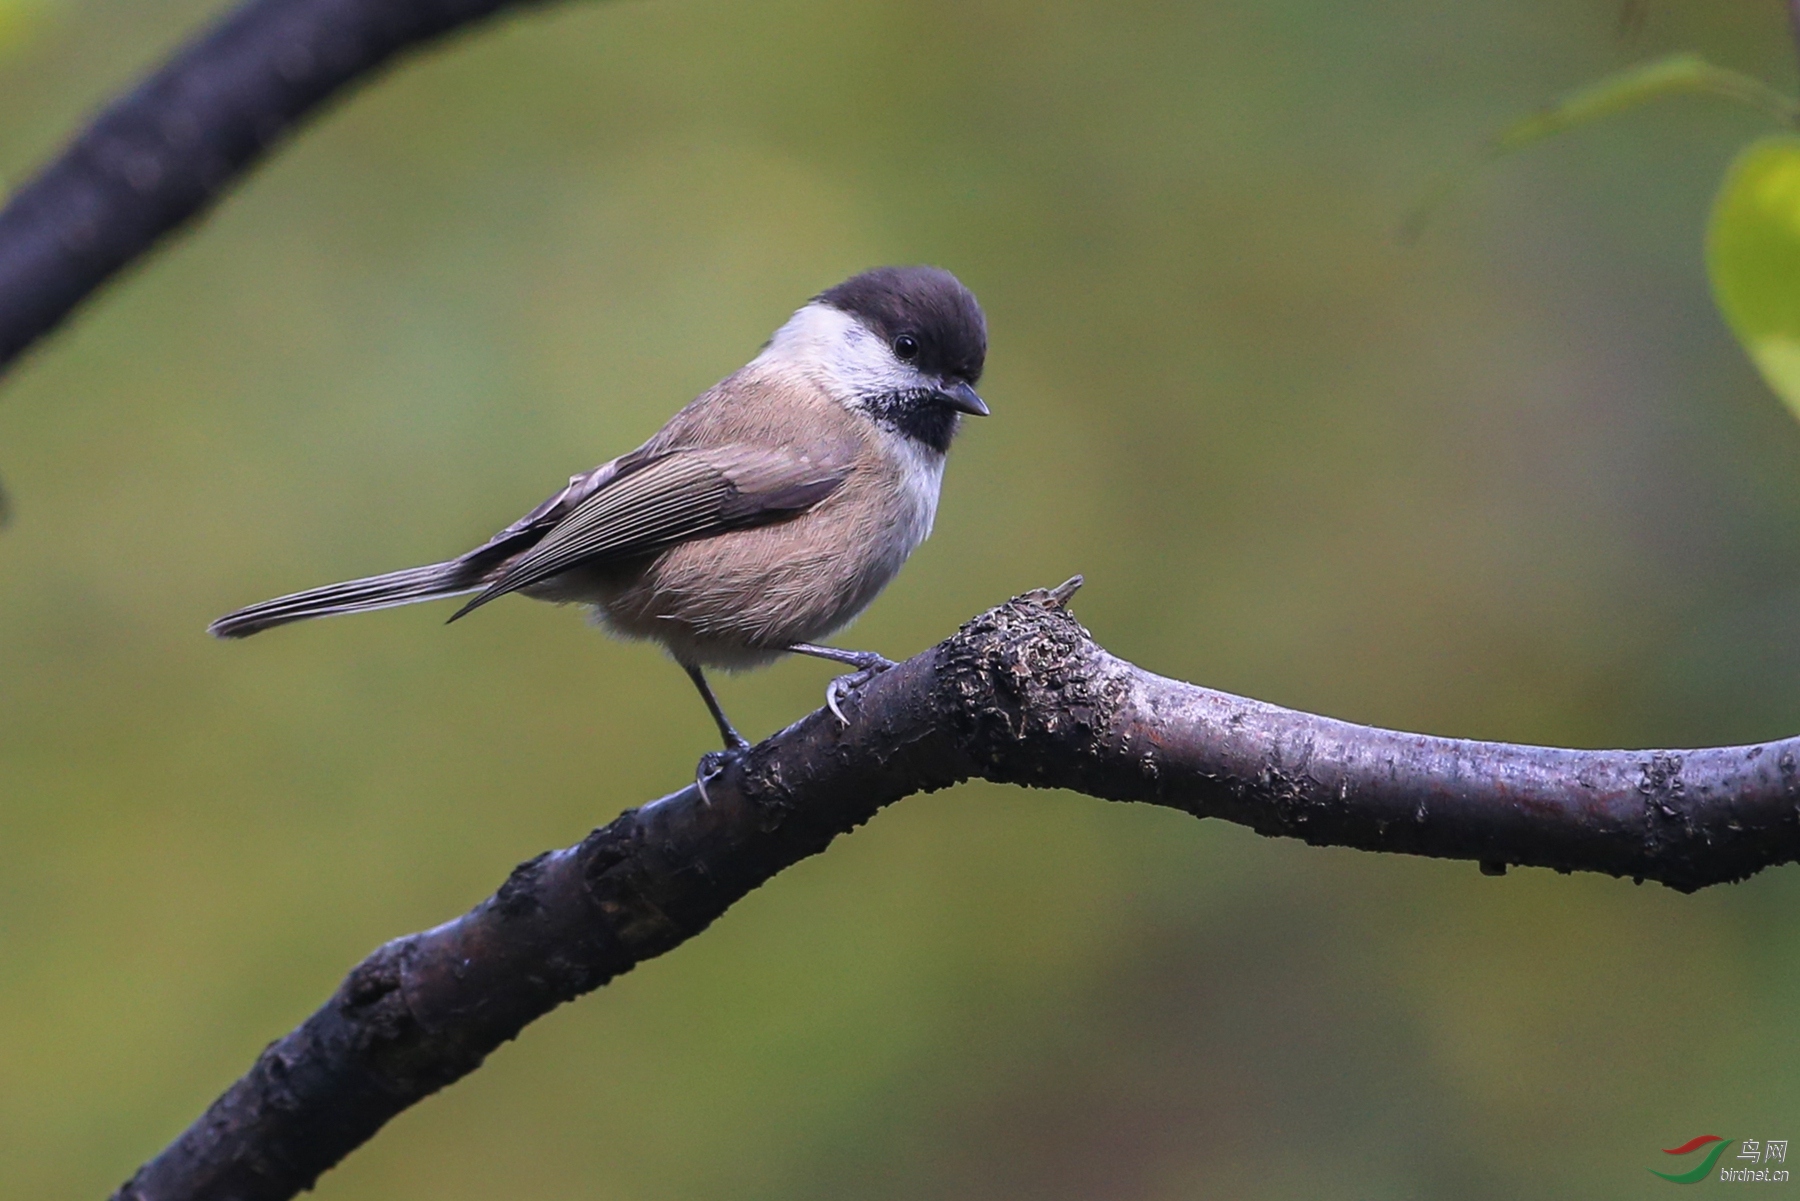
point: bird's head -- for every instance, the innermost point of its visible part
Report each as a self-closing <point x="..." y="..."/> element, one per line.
<point x="903" y="345"/>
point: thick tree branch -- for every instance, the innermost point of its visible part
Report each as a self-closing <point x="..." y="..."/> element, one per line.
<point x="164" y="151"/>
<point x="1020" y="695"/>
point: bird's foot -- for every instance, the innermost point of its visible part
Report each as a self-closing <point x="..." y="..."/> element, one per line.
<point x="841" y="687"/>
<point x="713" y="764"/>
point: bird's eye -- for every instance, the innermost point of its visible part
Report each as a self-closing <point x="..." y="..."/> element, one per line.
<point x="906" y="348"/>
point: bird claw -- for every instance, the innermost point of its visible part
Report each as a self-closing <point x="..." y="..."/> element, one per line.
<point x="871" y="664"/>
<point x="713" y="764"/>
<point x="842" y="686"/>
<point x="831" y="699"/>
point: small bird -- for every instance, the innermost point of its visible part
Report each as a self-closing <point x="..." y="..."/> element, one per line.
<point x="762" y="518"/>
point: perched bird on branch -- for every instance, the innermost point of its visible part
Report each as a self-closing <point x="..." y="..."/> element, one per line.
<point x="763" y="517"/>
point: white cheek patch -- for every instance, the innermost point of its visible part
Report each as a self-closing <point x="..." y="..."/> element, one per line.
<point x="842" y="354"/>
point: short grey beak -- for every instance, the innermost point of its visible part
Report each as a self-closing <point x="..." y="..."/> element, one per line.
<point x="963" y="399"/>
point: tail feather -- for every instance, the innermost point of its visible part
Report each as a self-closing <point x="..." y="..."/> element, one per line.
<point x="352" y="596"/>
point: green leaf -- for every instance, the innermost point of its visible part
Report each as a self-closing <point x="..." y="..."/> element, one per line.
<point x="1676" y="75"/>
<point x="1753" y="257"/>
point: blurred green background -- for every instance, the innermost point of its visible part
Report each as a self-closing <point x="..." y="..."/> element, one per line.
<point x="1514" y="481"/>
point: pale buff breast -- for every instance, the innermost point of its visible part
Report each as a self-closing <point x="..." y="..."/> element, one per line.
<point x="736" y="599"/>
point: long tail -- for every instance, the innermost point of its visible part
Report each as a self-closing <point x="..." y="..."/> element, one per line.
<point x="352" y="596"/>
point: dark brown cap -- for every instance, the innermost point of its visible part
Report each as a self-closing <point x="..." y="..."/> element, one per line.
<point x="927" y="304"/>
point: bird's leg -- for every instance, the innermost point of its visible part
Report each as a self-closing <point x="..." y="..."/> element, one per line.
<point x="714" y="762"/>
<point x="734" y="741"/>
<point x="868" y="665"/>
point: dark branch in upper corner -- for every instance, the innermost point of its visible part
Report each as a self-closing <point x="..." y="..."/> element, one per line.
<point x="1021" y="695"/>
<point x="1793" y="8"/>
<point x="163" y="152"/>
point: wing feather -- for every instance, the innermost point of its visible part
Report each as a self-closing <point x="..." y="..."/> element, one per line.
<point x="677" y="497"/>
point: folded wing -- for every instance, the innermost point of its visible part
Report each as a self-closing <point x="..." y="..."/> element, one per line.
<point x="673" y="497"/>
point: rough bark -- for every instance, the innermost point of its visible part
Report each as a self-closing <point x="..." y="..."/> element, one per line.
<point x="1020" y="695"/>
